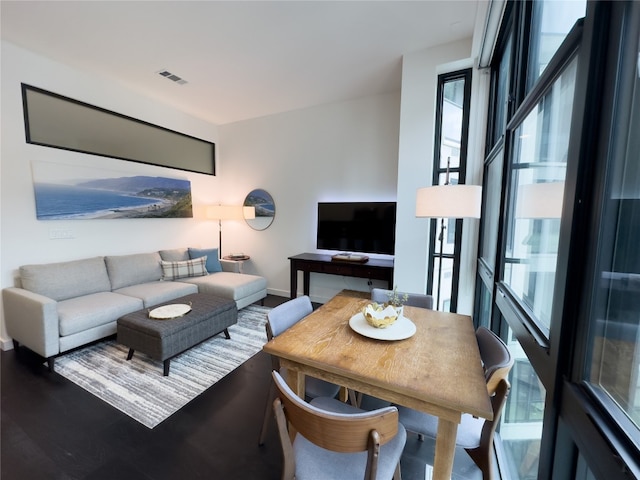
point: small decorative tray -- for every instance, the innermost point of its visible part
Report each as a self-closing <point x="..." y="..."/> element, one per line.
<point x="237" y="256"/>
<point x="167" y="312"/>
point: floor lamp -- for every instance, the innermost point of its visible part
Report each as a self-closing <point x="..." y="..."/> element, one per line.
<point x="448" y="201"/>
<point x="228" y="212"/>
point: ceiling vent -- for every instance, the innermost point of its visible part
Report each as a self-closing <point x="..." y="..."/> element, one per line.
<point x="172" y="77"/>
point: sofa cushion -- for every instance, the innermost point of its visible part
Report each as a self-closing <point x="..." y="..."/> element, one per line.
<point x="229" y="285"/>
<point x="89" y="311"/>
<point x="186" y="268"/>
<point x="154" y="293"/>
<point x="125" y="270"/>
<point x="175" y="255"/>
<point x="213" y="263"/>
<point x="63" y="280"/>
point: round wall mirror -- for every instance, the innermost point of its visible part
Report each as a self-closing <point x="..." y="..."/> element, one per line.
<point x="265" y="209"/>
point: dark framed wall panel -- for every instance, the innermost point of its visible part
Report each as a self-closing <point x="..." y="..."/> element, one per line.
<point x="56" y="121"/>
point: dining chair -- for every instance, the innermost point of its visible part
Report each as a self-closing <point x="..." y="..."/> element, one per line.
<point x="335" y="440"/>
<point x="380" y="295"/>
<point x="279" y="319"/>
<point x="475" y="435"/>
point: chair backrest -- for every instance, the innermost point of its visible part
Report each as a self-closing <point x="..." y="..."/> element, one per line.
<point x="496" y="358"/>
<point x="338" y="432"/>
<point x="380" y="295"/>
<point x="287" y="314"/>
<point x="497" y="403"/>
<point x="483" y="454"/>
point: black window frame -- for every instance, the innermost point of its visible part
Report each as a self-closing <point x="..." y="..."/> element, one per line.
<point x="600" y="434"/>
<point x="578" y="427"/>
<point x="438" y="171"/>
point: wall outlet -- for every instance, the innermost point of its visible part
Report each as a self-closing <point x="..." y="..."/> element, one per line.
<point x="61" y="233"/>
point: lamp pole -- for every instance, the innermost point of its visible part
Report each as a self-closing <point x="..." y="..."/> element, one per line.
<point x="219" y="239"/>
<point x="441" y="239"/>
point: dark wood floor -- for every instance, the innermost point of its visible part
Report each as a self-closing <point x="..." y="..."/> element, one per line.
<point x="53" y="429"/>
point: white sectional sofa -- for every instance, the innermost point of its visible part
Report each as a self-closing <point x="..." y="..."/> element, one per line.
<point x="60" y="306"/>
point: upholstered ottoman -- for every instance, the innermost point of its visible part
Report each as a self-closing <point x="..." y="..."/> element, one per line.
<point x="164" y="339"/>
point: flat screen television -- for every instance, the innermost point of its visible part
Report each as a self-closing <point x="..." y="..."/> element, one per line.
<point x="364" y="227"/>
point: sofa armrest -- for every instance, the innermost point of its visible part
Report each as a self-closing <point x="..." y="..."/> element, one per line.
<point x="230" y="266"/>
<point x="32" y="320"/>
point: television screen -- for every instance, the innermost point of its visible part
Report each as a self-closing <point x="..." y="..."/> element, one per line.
<point x="366" y="227"/>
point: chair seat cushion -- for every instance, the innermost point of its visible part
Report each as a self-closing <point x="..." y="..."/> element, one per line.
<point x="315" y="463"/>
<point x="234" y="286"/>
<point x="153" y="293"/>
<point x="469" y="430"/>
<point x="89" y="311"/>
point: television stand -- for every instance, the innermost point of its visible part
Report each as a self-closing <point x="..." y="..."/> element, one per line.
<point x="374" y="269"/>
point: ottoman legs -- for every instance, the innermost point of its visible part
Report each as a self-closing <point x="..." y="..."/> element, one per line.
<point x="166" y="364"/>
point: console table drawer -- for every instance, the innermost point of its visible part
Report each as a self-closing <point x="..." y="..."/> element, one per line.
<point x="335" y="269"/>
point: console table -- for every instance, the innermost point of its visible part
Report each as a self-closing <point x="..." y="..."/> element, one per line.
<point x="374" y="269"/>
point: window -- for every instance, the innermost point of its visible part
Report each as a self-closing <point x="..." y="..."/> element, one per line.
<point x="61" y="122"/>
<point x="491" y="210"/>
<point x="614" y="367"/>
<point x="538" y="168"/>
<point x="551" y="22"/>
<point x="454" y="93"/>
<point x="503" y="85"/>
<point x="567" y="268"/>
<point x="521" y="423"/>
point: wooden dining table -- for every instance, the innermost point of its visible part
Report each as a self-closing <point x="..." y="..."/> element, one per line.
<point x="437" y="370"/>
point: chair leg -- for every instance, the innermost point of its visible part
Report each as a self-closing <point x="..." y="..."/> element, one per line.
<point x="268" y="411"/>
<point x="482" y="458"/>
<point x="397" y="475"/>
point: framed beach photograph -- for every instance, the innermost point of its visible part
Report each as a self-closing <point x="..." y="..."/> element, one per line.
<point x="71" y="192"/>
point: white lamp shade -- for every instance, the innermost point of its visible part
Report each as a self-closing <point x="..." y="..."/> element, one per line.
<point x="540" y="200"/>
<point x="226" y="212"/>
<point x="449" y="201"/>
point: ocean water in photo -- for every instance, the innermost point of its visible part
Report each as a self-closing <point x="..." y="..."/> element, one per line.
<point x="58" y="202"/>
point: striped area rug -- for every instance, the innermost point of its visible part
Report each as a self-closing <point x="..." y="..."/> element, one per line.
<point x="138" y="388"/>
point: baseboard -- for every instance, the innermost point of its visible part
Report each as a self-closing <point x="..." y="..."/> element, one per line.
<point x="6" y="344"/>
<point x="278" y="292"/>
<point x="285" y="293"/>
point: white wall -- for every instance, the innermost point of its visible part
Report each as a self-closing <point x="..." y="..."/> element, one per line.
<point x="23" y="238"/>
<point x="339" y="152"/>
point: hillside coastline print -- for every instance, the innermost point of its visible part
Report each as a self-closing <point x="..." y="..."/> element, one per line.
<point x="93" y="197"/>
